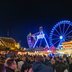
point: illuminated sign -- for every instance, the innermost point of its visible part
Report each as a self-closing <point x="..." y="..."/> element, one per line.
<point x="67" y="44"/>
<point x="40" y="36"/>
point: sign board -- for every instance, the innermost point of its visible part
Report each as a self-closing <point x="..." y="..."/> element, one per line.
<point x="67" y="45"/>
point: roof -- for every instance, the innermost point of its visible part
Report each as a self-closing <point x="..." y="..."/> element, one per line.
<point x="6" y="42"/>
<point x="65" y="43"/>
<point x="6" y="39"/>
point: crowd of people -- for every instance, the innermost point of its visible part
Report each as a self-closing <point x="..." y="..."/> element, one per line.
<point x="35" y="63"/>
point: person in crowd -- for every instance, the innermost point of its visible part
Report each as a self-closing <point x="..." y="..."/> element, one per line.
<point x="2" y="68"/>
<point x="26" y="67"/>
<point x="11" y="65"/>
<point x="6" y="61"/>
<point x="38" y="66"/>
<point x="53" y="64"/>
<point x="61" y="67"/>
<point x="57" y="59"/>
<point x="65" y="62"/>
<point x="47" y="61"/>
<point x="70" y="64"/>
<point x="21" y="62"/>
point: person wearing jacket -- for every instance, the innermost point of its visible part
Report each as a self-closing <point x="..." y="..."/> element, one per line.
<point x="11" y="65"/>
<point x="38" y="66"/>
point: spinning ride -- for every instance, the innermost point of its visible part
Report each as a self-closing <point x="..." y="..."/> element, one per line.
<point x="35" y="40"/>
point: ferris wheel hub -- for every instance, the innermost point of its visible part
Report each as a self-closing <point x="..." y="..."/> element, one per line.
<point x="61" y="37"/>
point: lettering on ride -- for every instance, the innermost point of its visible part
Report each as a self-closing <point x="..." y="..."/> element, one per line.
<point x="40" y="36"/>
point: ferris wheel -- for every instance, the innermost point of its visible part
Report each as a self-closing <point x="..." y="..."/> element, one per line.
<point x="61" y="32"/>
<point x="35" y="40"/>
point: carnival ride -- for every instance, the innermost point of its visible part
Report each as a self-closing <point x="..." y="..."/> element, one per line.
<point x="8" y="43"/>
<point x="35" y="40"/>
<point x="60" y="33"/>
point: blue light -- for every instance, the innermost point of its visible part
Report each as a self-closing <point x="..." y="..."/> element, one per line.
<point x="57" y="31"/>
<point x="40" y="36"/>
<point x="61" y="37"/>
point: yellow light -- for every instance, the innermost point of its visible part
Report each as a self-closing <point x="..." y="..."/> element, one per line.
<point x="17" y="45"/>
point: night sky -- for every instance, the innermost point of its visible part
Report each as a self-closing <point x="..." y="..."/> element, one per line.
<point x="21" y="17"/>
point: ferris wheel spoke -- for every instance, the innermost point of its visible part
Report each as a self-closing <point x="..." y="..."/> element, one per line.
<point x="60" y="29"/>
<point x="57" y="31"/>
<point x="68" y="33"/>
<point x="63" y="28"/>
<point x="55" y="38"/>
<point x="56" y="42"/>
<point x="60" y="32"/>
<point x="56" y="35"/>
<point x="67" y="29"/>
<point x="68" y="36"/>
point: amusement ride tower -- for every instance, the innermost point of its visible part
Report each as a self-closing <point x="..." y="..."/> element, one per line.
<point x="35" y="40"/>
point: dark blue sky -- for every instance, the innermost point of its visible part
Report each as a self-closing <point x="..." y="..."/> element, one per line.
<point x="21" y="17"/>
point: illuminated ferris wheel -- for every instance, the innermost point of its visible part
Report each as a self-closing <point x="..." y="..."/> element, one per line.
<point x="61" y="32"/>
<point x="35" y="40"/>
